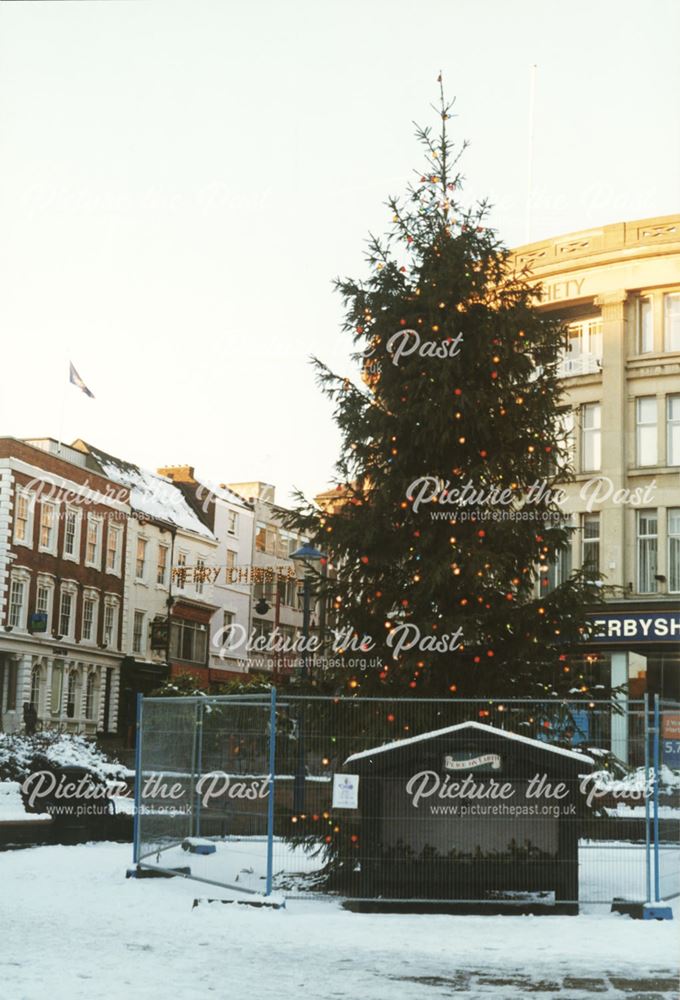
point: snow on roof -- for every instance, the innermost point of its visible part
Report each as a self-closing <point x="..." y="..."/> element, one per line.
<point x="224" y="492"/>
<point x="527" y="740"/>
<point x="151" y="494"/>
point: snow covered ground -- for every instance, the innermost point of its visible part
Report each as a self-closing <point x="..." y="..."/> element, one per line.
<point x="73" y="928"/>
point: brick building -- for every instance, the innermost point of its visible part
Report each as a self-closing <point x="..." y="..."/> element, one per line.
<point x="63" y="536"/>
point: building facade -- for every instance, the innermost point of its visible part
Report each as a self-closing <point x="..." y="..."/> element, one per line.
<point x="617" y="288"/>
<point x="63" y="537"/>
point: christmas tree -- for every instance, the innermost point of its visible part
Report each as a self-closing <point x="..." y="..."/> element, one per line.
<point x="447" y="511"/>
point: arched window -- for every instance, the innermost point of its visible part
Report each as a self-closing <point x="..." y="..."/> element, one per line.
<point x="71" y="695"/>
<point x="90" y="707"/>
<point x="35" y="688"/>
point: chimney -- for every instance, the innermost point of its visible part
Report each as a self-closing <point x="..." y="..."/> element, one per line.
<point x="178" y="473"/>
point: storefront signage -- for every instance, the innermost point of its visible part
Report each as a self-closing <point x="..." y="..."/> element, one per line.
<point x="458" y="762"/>
<point x="635" y="627"/>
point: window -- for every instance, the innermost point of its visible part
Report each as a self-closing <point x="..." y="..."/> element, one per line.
<point x="89" y="619"/>
<point x="260" y="536"/>
<point x="565" y="434"/>
<point x="11" y="702"/>
<point x="57" y="687"/>
<point x="17" y="602"/>
<point x="162" y="566"/>
<point x="71" y="533"/>
<point x="111" y="622"/>
<point x="647" y="543"/>
<point x="227" y="618"/>
<point x="199" y="575"/>
<point x="232" y="522"/>
<point x="584" y="348"/>
<point x="188" y="641"/>
<point x="140" y="564"/>
<point x="66" y="612"/>
<point x="671" y="321"/>
<point x="558" y="571"/>
<point x="35" y="688"/>
<point x="673" y="430"/>
<point x="231" y="559"/>
<point x="138" y="633"/>
<point x="645" y="327"/>
<point x="90" y="704"/>
<point x="48" y="530"/>
<point x="674" y="550"/>
<point x="43" y="602"/>
<point x="94" y="540"/>
<point x="113" y="537"/>
<point x="591" y="446"/>
<point x="645" y="427"/>
<point x="71" y="695"/>
<point x="23" y="518"/>
<point x="181" y="567"/>
<point x="590" y="552"/>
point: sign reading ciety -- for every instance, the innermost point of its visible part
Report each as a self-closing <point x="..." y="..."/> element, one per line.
<point x="556" y="291"/>
<point x="635" y="626"/>
<point x="456" y="762"/>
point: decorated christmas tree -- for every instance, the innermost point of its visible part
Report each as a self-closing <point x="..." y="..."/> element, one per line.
<point x="447" y="510"/>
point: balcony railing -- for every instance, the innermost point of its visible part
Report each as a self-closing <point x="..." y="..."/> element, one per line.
<point x="579" y="364"/>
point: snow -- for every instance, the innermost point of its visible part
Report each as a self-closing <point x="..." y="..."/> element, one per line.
<point x="150" y="494"/>
<point x="18" y="752"/>
<point x="12" y="809"/>
<point x="75" y="929"/>
<point x="527" y="740"/>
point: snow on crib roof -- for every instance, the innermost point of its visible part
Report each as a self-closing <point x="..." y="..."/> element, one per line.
<point x="151" y="494"/>
<point x="527" y="740"/>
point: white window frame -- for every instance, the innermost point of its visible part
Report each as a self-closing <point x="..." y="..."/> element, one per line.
<point x="668" y="300"/>
<point x="113" y="531"/>
<point x="596" y="432"/>
<point x="90" y="699"/>
<point x="162" y="565"/>
<point x="29" y="497"/>
<point x="112" y="609"/>
<point x="51" y="549"/>
<point x="673" y="555"/>
<point x="142" y="541"/>
<point x="230" y="561"/>
<point x="47" y="584"/>
<point x="72" y="688"/>
<point x="75" y="555"/>
<point x="138" y="616"/>
<point x="180" y="583"/>
<point x="21" y="580"/>
<point x="232" y="522"/>
<point x="36" y="697"/>
<point x="591" y="541"/>
<point x="639" y="540"/>
<point x="199" y="580"/>
<point x="90" y="596"/>
<point x="98" y="521"/>
<point x="71" y="590"/>
<point x="652" y="446"/>
<point x="645" y="302"/>
<point x="672" y="424"/>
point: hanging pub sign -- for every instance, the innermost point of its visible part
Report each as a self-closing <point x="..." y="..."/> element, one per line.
<point x="160" y="633"/>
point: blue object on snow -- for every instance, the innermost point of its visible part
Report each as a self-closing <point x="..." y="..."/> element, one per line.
<point x="653" y="911"/>
<point x="195" y="846"/>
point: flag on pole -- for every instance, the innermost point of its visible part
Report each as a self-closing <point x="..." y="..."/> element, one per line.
<point x="75" y="379"/>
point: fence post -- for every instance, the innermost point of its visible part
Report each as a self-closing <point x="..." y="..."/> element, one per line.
<point x="648" y="839"/>
<point x="270" y="801"/>
<point x="198" y="757"/>
<point x="657" y="768"/>
<point x="138" y="778"/>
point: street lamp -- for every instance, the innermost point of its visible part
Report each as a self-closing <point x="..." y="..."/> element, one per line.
<point x="309" y="556"/>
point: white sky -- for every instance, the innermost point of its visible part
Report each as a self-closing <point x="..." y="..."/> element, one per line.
<point x="181" y="181"/>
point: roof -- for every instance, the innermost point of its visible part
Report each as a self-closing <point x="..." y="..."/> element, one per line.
<point x="527" y="740"/>
<point x="150" y="494"/>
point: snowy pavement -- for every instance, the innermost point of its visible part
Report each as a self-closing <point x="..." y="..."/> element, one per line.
<point x="73" y="928"/>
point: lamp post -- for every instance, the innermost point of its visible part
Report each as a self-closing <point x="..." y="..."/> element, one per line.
<point x="309" y="556"/>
